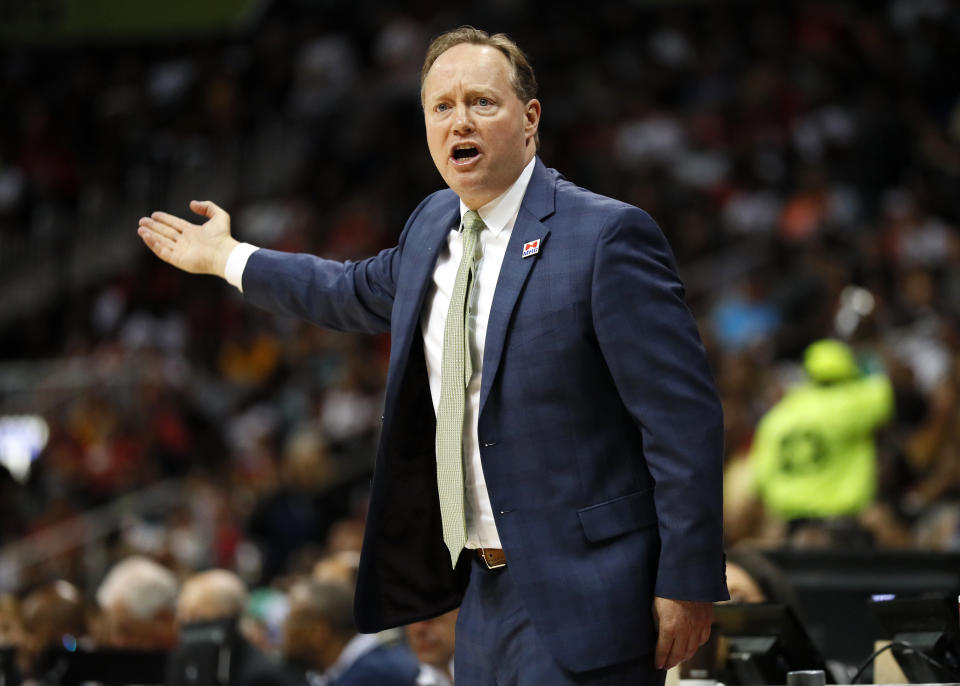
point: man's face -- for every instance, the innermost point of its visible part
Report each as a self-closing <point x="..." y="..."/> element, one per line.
<point x="432" y="640"/>
<point x="479" y="133"/>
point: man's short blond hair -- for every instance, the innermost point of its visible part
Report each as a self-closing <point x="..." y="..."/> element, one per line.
<point x="522" y="78"/>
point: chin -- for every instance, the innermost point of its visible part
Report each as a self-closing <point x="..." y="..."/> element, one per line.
<point x="465" y="191"/>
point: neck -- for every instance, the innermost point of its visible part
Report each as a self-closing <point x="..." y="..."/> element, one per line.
<point x="475" y="203"/>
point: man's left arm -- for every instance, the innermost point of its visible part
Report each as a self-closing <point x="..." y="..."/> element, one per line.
<point x="650" y="343"/>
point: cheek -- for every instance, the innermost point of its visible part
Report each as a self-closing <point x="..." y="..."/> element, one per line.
<point x="506" y="137"/>
<point x="435" y="141"/>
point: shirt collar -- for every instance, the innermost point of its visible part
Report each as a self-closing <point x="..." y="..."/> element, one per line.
<point x="497" y="213"/>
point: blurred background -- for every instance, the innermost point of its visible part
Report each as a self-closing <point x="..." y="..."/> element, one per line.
<point x="802" y="158"/>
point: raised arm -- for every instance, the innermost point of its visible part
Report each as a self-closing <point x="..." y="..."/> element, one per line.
<point x="346" y="296"/>
<point x="195" y="248"/>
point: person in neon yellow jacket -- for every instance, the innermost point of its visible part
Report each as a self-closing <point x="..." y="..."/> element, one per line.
<point x="813" y="453"/>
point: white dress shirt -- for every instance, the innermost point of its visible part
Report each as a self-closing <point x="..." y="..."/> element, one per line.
<point x="431" y="676"/>
<point x="499" y="215"/>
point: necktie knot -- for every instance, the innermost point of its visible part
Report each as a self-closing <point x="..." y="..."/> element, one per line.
<point x="472" y="222"/>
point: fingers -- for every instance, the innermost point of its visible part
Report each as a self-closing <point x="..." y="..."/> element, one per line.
<point x="165" y="230"/>
<point x="205" y="208"/>
<point x="195" y="248"/>
<point x="161" y="246"/>
<point x="672" y="650"/>
<point x="664" y="649"/>
<point x="693" y="644"/>
<point x="682" y="627"/>
<point x="173" y="222"/>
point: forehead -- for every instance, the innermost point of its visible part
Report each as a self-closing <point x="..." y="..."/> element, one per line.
<point x="468" y="65"/>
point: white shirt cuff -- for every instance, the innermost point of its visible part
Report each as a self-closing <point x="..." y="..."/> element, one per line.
<point x="236" y="263"/>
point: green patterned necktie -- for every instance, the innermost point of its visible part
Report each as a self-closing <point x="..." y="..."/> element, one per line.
<point x="455" y="372"/>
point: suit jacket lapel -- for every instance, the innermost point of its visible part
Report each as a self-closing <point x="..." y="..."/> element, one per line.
<point x="538" y="204"/>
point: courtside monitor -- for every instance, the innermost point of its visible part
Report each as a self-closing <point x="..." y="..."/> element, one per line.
<point x="763" y="641"/>
<point x="203" y="654"/>
<point x="925" y="634"/>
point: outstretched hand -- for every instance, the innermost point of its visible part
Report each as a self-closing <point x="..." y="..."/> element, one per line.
<point x="195" y="248"/>
<point x="682" y="627"/>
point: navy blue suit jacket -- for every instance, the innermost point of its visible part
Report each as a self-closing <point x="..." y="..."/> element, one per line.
<point x="600" y="428"/>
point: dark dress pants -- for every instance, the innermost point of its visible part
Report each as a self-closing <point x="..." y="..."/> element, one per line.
<point x="497" y="645"/>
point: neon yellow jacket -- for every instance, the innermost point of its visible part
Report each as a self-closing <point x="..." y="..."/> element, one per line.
<point x="813" y="454"/>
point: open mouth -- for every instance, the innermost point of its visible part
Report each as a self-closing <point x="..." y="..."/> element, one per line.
<point x="465" y="153"/>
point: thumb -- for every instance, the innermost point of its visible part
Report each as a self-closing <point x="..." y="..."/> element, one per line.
<point x="205" y="208"/>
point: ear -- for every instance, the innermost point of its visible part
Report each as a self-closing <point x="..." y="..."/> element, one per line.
<point x="531" y="116"/>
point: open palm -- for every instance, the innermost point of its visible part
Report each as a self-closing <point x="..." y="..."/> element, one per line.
<point x="195" y="248"/>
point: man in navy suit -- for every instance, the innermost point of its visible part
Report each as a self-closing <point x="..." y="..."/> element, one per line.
<point x="322" y="646"/>
<point x="592" y="432"/>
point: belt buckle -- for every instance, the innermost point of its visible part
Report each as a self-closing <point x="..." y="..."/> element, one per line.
<point x="483" y="556"/>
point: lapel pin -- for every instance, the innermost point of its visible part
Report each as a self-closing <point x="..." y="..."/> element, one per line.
<point x="531" y="248"/>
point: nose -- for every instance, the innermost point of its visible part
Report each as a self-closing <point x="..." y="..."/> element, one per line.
<point x="463" y="124"/>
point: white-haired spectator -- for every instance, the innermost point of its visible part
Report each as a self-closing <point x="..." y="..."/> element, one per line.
<point x="219" y="595"/>
<point x="211" y="595"/>
<point x="138" y="598"/>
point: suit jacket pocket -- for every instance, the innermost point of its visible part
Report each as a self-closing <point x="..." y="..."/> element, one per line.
<point x="618" y="516"/>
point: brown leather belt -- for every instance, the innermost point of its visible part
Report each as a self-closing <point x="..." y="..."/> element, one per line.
<point x="493" y="558"/>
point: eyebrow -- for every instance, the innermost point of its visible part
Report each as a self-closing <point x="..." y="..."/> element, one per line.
<point x="473" y="91"/>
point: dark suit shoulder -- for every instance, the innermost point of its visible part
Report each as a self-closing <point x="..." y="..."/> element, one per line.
<point x="586" y="214"/>
<point x="385" y="665"/>
<point x="436" y="210"/>
<point x="571" y="196"/>
<point x="444" y="200"/>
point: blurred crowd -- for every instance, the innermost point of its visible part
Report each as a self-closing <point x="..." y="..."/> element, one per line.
<point x="147" y="626"/>
<point x="801" y="157"/>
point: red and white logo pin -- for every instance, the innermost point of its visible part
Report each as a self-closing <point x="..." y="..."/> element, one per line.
<point x="531" y="248"/>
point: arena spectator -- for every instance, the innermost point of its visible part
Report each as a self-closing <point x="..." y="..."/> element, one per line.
<point x="309" y="500"/>
<point x="52" y="618"/>
<point x="813" y="455"/>
<point x="321" y="641"/>
<point x="138" y="600"/>
<point x="211" y="595"/>
<point x="338" y="566"/>
<point x="219" y="596"/>
<point x="11" y="639"/>
<point x="432" y="641"/>
<point x="11" y="626"/>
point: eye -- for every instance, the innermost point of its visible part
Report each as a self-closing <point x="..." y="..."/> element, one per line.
<point x="442" y="107"/>
<point x="483" y="102"/>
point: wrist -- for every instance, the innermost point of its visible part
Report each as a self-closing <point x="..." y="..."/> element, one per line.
<point x="222" y="254"/>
